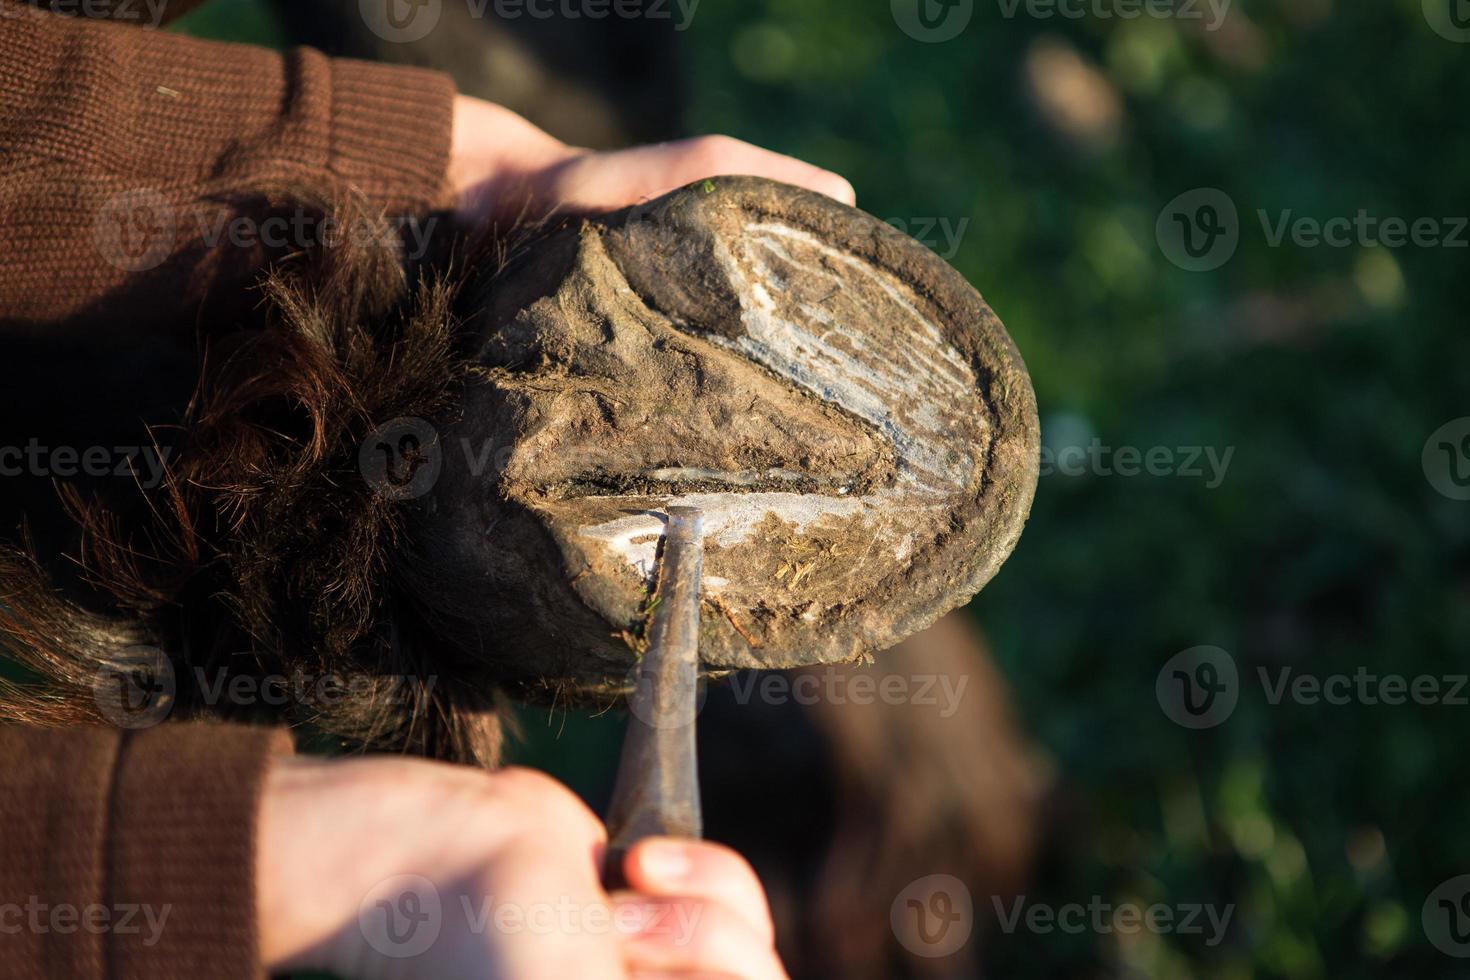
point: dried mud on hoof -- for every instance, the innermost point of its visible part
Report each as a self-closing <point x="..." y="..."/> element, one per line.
<point x="850" y="416"/>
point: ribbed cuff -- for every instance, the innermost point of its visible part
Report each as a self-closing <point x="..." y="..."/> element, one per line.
<point x="162" y="109"/>
<point x="391" y="132"/>
<point x="54" y="793"/>
<point x="181" y="849"/>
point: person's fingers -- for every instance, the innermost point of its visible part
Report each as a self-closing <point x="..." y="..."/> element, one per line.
<point x="711" y="156"/>
<point x="747" y="159"/>
<point x="608" y="181"/>
<point x="667" y="866"/>
<point x="687" y="934"/>
<point x="504" y="168"/>
<point x="552" y="810"/>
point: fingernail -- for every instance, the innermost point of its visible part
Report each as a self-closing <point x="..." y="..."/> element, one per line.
<point x="665" y="861"/>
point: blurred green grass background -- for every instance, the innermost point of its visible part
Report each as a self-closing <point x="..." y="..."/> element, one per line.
<point x="1324" y="549"/>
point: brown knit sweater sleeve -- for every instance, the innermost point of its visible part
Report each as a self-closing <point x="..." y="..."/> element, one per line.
<point x="131" y="855"/>
<point x="127" y="153"/>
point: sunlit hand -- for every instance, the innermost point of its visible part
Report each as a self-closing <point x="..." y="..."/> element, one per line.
<point x="503" y="870"/>
<point x="504" y="169"/>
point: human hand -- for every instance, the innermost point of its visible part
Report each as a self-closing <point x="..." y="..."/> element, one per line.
<point x="504" y="169"/>
<point x="504" y="882"/>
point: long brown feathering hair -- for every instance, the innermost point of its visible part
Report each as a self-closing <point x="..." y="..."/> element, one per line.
<point x="264" y="551"/>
